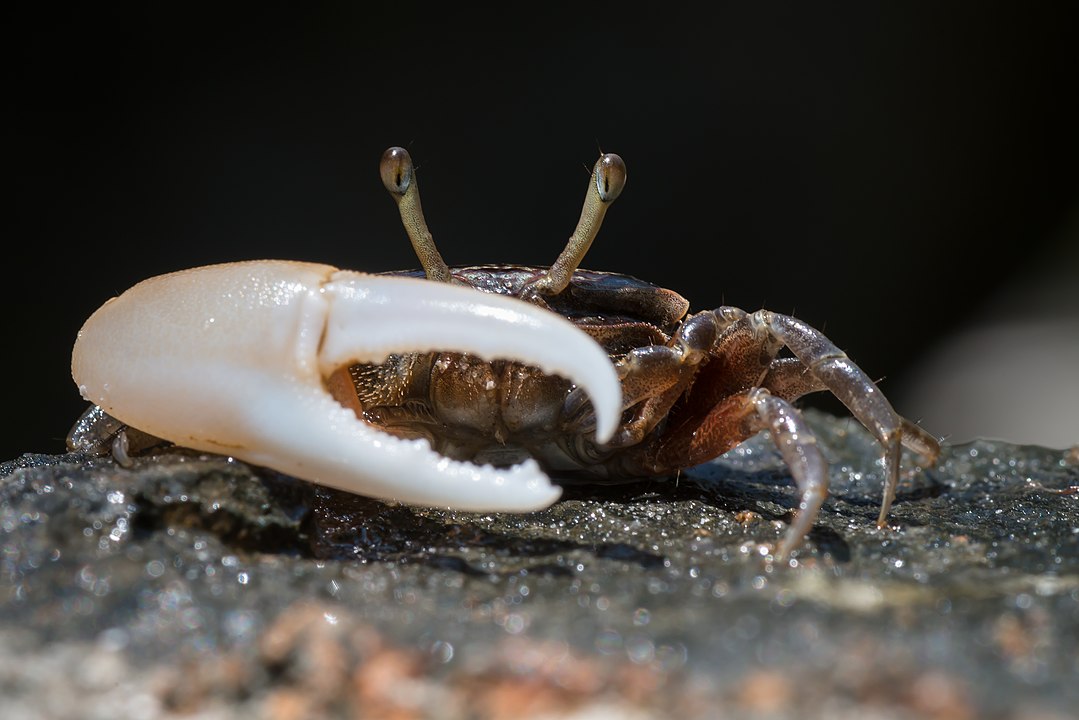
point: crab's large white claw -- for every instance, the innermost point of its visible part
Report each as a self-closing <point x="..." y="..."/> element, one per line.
<point x="232" y="358"/>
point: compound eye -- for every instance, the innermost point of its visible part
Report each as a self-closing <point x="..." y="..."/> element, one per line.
<point x="395" y="167"/>
<point x="610" y="177"/>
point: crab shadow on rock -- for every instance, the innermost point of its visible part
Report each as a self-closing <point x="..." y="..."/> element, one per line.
<point x="751" y="500"/>
<point x="751" y="504"/>
<point x="746" y="498"/>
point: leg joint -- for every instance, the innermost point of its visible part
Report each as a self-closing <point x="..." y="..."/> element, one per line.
<point x="697" y="336"/>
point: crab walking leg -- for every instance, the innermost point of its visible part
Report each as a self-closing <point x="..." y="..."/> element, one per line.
<point x="844" y="379"/>
<point x="798" y="447"/>
<point x="790" y="379"/>
<point x="232" y="359"/>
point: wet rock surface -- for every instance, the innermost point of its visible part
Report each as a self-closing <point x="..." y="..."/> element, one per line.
<point x="193" y="586"/>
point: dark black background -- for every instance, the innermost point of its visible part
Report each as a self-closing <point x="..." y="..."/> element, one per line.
<point x="879" y="170"/>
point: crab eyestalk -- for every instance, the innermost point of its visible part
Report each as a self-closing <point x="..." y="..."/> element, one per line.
<point x="608" y="179"/>
<point x="399" y="177"/>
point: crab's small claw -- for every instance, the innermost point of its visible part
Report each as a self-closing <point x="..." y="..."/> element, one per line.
<point x="233" y="358"/>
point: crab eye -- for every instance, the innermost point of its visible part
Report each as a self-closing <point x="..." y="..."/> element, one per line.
<point x="610" y="176"/>
<point x="395" y="167"/>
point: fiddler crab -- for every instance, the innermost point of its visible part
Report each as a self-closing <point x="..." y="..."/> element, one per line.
<point x="463" y="387"/>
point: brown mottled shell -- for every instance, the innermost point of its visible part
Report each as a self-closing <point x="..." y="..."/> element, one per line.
<point x="620" y="311"/>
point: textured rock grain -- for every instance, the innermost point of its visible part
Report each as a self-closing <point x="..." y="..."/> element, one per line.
<point x="194" y="586"/>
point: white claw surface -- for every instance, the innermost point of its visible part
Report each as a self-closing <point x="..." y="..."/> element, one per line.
<point x="231" y="359"/>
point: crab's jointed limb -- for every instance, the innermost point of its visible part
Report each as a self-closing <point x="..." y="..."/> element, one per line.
<point x="719" y="381"/>
<point x="234" y="359"/>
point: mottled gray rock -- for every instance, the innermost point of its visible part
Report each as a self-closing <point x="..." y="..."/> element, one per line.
<point x="194" y="586"/>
